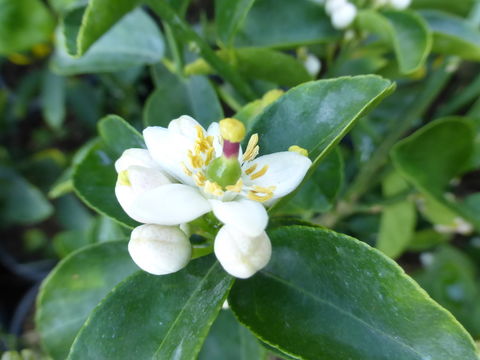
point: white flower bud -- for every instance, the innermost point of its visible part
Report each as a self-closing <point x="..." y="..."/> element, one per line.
<point x="344" y="16"/>
<point x="312" y="64"/>
<point x="159" y="250"/>
<point x="241" y="255"/>
<point x="332" y="5"/>
<point x="400" y="4"/>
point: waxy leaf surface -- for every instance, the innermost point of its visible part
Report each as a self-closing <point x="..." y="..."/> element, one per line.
<point x="328" y="296"/>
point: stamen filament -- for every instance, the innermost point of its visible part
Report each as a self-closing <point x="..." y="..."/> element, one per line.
<point x="259" y="173"/>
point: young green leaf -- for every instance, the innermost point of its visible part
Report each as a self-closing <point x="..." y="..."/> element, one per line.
<point x="285" y="24"/>
<point x="325" y="295"/>
<point x="228" y="339"/>
<point x="174" y="97"/>
<point x="134" y="40"/>
<point x="407" y="33"/>
<point x="229" y="15"/>
<point x="398" y="220"/>
<point x="53" y="100"/>
<point x="453" y="35"/>
<point x="119" y="135"/>
<point x="23" y="24"/>
<point x="74" y="288"/>
<point x="156" y="317"/>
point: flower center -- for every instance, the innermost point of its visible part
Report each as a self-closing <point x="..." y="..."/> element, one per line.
<point x="226" y="170"/>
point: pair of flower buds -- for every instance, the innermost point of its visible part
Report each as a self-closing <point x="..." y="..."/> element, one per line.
<point x="187" y="172"/>
<point x="342" y="12"/>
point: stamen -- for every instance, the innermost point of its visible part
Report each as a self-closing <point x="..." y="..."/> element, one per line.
<point x="237" y="187"/>
<point x="186" y="170"/>
<point x="213" y="188"/>
<point x="251" y="169"/>
<point x="196" y="160"/>
<point x="260" y="198"/>
<point x="252" y="148"/>
<point x="263" y="189"/>
<point x="123" y="178"/>
<point x="259" y="173"/>
<point x="200" y="179"/>
<point x="209" y="156"/>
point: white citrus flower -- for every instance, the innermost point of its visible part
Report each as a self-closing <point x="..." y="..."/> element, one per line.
<point x="343" y="16"/>
<point x="312" y="64"/>
<point x="400" y="4"/>
<point x="188" y="172"/>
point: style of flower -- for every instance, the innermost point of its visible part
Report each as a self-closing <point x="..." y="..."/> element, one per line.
<point x="186" y="172"/>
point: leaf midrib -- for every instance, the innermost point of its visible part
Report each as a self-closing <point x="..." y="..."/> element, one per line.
<point x="349" y="314"/>
<point x="192" y="296"/>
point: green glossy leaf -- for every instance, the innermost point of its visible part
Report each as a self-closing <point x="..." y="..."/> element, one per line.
<point x="74" y="288"/>
<point x="155" y="317"/>
<point x="317" y="114"/>
<point x="407" y="33"/>
<point x="229" y="15"/>
<point x="87" y="26"/>
<point x="119" y="135"/>
<point x="398" y="220"/>
<point x="319" y="192"/>
<point x="23" y="23"/>
<point x="258" y="64"/>
<point x="285" y="24"/>
<point x="435" y="154"/>
<point x="135" y="40"/>
<point x="450" y="277"/>
<point x="460" y="7"/>
<point x="53" y="100"/>
<point x="427" y="239"/>
<point x="174" y="97"/>
<point x="228" y="339"/>
<point x="64" y="6"/>
<point x="94" y="179"/>
<point x="325" y="295"/>
<point x="453" y="35"/>
<point x="21" y="202"/>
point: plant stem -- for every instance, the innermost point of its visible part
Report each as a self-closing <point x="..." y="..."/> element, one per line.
<point x="363" y="181"/>
<point x="179" y="26"/>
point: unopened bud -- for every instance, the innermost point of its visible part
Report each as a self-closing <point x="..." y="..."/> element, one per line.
<point x="241" y="255"/>
<point x="344" y="16"/>
<point x="400" y="4"/>
<point x="159" y="250"/>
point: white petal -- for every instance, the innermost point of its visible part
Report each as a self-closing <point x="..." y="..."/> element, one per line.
<point x="141" y="179"/>
<point x="171" y="204"/>
<point x="185" y="125"/>
<point x="249" y="217"/>
<point x="241" y="255"/>
<point x="286" y="171"/>
<point x="344" y="16"/>
<point x="134" y="156"/>
<point x="169" y="149"/>
<point x="159" y="249"/>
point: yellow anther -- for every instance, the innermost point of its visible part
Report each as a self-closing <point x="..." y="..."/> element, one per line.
<point x="232" y="130"/>
<point x="200" y="133"/>
<point x="252" y="148"/>
<point x="213" y="188"/>
<point x="237" y="187"/>
<point x="259" y="173"/>
<point x="298" y="149"/>
<point x="210" y="140"/>
<point x="267" y="192"/>
<point x="209" y="157"/>
<point x="200" y="179"/>
<point x="123" y="178"/>
<point x="262" y="189"/>
<point x="251" y="169"/>
<point x="196" y="160"/>
<point x="260" y="198"/>
<point x="186" y="170"/>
